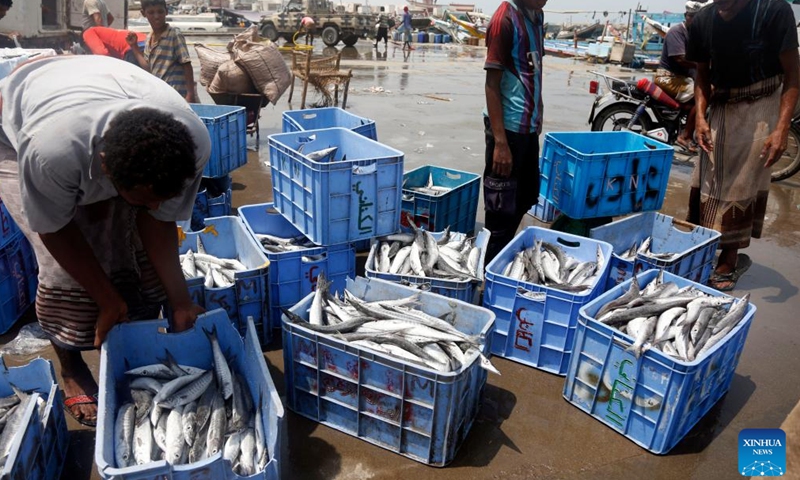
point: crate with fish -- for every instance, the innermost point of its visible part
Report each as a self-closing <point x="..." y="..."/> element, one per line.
<point x="225" y="268"/>
<point x="396" y="367"/>
<point x="544" y="211"/>
<point x="445" y="263"/>
<point x="33" y="431"/>
<point x="227" y="127"/>
<point x="335" y="185"/>
<point x="8" y="227"/>
<point x="654" y="354"/>
<point x="601" y="174"/>
<point x="654" y="240"/>
<point x="18" y="280"/>
<point x="199" y="402"/>
<point x="212" y="200"/>
<point x="295" y="264"/>
<point x="320" y="118"/>
<point x="535" y="287"/>
<point x="439" y="198"/>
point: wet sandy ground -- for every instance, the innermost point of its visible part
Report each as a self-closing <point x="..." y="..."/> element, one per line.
<point x="431" y="110"/>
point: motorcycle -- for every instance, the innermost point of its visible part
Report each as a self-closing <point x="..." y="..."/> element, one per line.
<point x="623" y="106"/>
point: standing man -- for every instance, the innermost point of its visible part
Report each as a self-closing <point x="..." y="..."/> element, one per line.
<point x="513" y="117"/>
<point x="747" y="51"/>
<point x="383" y="29"/>
<point x="96" y="14"/>
<point x="675" y="74"/>
<point x="407" y="30"/>
<point x="98" y="160"/>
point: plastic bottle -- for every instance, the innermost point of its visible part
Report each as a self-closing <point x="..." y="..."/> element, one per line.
<point x="655" y="92"/>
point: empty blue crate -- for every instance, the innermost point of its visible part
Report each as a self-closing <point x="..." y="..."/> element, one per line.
<point x="454" y="204"/>
<point x="414" y="411"/>
<point x="191" y="348"/>
<point x="692" y="251"/>
<point x="8" y="228"/>
<point x="464" y="290"/>
<point x="293" y="275"/>
<point x="227" y="127"/>
<point x="539" y="331"/>
<point x="654" y="400"/>
<point x="18" y="280"/>
<point x="544" y="211"/>
<point x="599" y="174"/>
<point x="212" y="200"/>
<point x="352" y="194"/>
<point x="320" y="118"/>
<point x="226" y="237"/>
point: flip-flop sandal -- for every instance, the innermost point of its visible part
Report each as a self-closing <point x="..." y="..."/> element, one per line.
<point x="743" y="263"/>
<point x="80" y="400"/>
<point x="689" y="148"/>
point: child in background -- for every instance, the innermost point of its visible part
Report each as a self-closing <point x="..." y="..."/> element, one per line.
<point x="113" y="43"/>
<point x="165" y="51"/>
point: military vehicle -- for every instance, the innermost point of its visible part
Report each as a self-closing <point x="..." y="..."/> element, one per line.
<point x="332" y="26"/>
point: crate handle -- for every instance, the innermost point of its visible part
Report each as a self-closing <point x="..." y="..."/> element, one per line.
<point x="365" y="169"/>
<point x="683" y="224"/>
<point x="453" y="176"/>
<point x="621" y="342"/>
<point x="309" y="116"/>
<point x="321" y="257"/>
<point x="568" y="243"/>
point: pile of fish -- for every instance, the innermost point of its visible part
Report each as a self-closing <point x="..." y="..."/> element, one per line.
<point x="276" y="244"/>
<point x="548" y="265"/>
<point x="218" y="272"/>
<point x="393" y="327"/>
<point x="644" y="249"/>
<point x="683" y="323"/>
<point x="430" y="188"/>
<point x="183" y="414"/>
<point x="453" y="257"/>
<point x="12" y="418"/>
<point x="325" y="155"/>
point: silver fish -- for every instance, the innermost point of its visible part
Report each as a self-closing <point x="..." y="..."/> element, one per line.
<point x="123" y="435"/>
<point x="189" y="422"/>
<point x="176" y="442"/>
<point x="223" y="373"/>
<point x="143" y="443"/>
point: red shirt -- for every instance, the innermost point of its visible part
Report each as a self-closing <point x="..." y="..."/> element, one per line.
<point x="109" y="41"/>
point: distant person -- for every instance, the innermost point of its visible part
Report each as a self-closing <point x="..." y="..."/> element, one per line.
<point x="748" y="74"/>
<point x="5" y="6"/>
<point x="383" y="29"/>
<point x="165" y="51"/>
<point x="513" y="117"/>
<point x="96" y="14"/>
<point x="308" y="26"/>
<point x="407" y="30"/>
<point x="675" y="74"/>
<point x="114" y="43"/>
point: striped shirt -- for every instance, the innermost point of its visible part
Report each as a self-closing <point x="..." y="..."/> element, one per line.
<point x="167" y="57"/>
<point x="515" y="45"/>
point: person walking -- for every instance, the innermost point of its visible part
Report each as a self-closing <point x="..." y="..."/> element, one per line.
<point x="748" y="74"/>
<point x="407" y="30"/>
<point x="513" y="117"/>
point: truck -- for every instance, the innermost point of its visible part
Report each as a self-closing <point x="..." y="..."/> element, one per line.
<point x="332" y="26"/>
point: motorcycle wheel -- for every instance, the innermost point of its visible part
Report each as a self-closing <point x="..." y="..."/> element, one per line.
<point x="616" y="117"/>
<point x="789" y="163"/>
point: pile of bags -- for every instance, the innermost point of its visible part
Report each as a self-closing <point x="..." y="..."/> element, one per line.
<point x="249" y="65"/>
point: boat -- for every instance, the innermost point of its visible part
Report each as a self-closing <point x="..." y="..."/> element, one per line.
<point x="471" y="28"/>
<point x="202" y="22"/>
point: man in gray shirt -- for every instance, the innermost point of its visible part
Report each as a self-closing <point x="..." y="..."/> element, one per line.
<point x="98" y="160"/>
<point x="96" y="14"/>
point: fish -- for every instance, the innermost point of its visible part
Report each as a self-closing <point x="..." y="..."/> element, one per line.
<point x="175" y="440"/>
<point x="189" y="422"/>
<point x="549" y="265"/>
<point x="216" y="272"/>
<point x="324" y="155"/>
<point x="221" y="369"/>
<point x="421" y="255"/>
<point x="123" y="435"/>
<point x="143" y="443"/>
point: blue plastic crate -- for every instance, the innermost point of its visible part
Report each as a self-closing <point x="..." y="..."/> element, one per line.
<point x="456" y="209"/>
<point x="8" y="227"/>
<point x="544" y="211"/>
<point x="446" y="39"/>
<point x="464" y="290"/>
<point x="341" y="201"/>
<point x="413" y="411"/>
<point x="321" y="118"/>
<point x="213" y="200"/>
<point x="677" y="394"/>
<point x="227" y="127"/>
<point x="293" y="275"/>
<point x="226" y="237"/>
<point x="695" y="249"/>
<point x="190" y="348"/>
<point x="599" y="174"/>
<point x="38" y="449"/>
<point x="539" y="333"/>
<point x="18" y="280"/>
